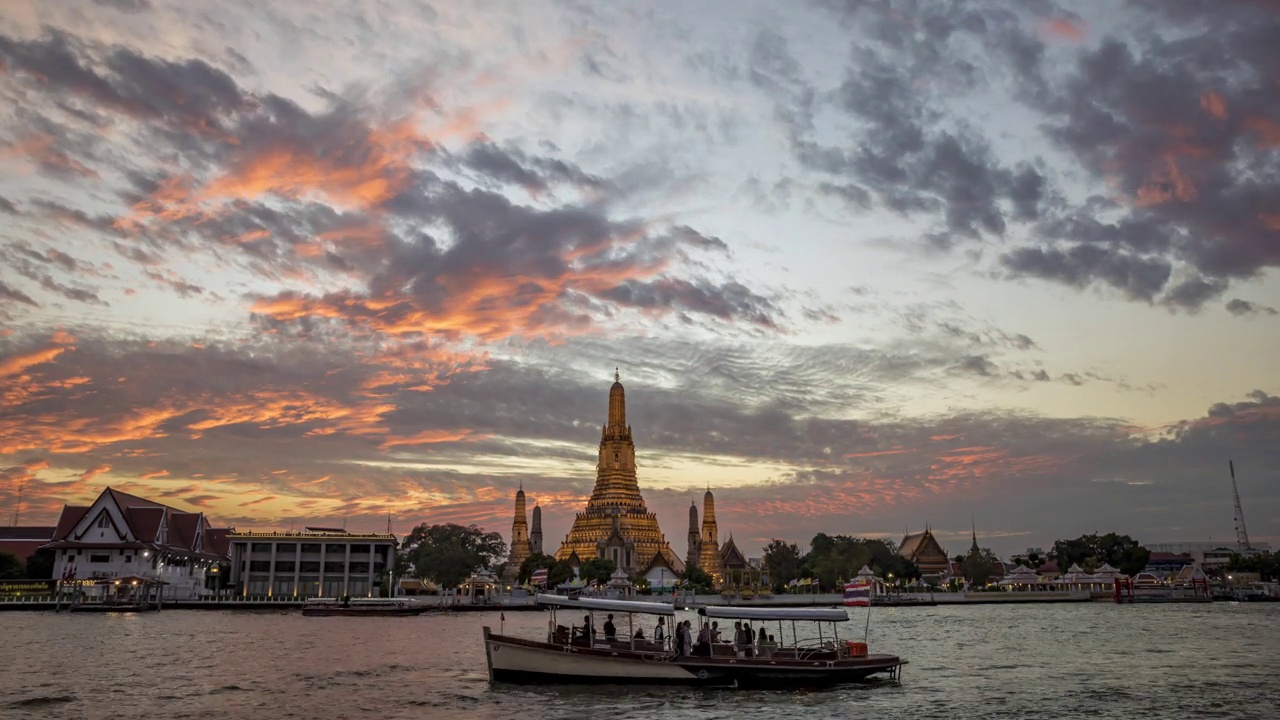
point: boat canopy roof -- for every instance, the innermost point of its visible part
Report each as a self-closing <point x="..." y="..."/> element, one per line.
<point x="730" y="612"/>
<point x="601" y="604"/>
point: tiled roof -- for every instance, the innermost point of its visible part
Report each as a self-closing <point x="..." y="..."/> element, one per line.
<point x="909" y="544"/>
<point x="124" y="499"/>
<point x="67" y="521"/>
<point x="183" y="528"/>
<point x="216" y="541"/>
<point x="27" y="533"/>
<point x="145" y="521"/>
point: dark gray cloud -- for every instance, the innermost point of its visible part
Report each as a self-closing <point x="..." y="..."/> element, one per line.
<point x="126" y="6"/>
<point x="1244" y="307"/>
<point x="1179" y="121"/>
<point x="1139" y="278"/>
<point x="10" y="294"/>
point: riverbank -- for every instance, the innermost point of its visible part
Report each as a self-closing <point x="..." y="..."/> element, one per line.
<point x="681" y="601"/>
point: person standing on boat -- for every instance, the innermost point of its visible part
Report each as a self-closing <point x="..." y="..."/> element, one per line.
<point x="715" y="631"/>
<point x="610" y="632"/>
<point x="659" y="634"/>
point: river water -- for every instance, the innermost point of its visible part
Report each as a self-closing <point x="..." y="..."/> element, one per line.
<point x="1051" y="661"/>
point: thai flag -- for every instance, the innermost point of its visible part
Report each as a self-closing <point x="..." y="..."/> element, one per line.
<point x="857" y="595"/>
<point x="539" y="577"/>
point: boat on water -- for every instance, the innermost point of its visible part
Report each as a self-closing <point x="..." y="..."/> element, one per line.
<point x="364" y="607"/>
<point x="576" y="656"/>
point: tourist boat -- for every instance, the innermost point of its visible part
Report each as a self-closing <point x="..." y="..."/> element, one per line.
<point x="364" y="607"/>
<point x="565" y="656"/>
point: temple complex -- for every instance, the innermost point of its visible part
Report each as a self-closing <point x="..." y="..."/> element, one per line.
<point x="926" y="552"/>
<point x="616" y="524"/>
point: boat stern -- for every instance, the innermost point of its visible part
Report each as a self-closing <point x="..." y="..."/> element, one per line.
<point x="488" y="653"/>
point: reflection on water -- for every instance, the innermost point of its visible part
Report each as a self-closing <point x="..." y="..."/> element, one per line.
<point x="1097" y="661"/>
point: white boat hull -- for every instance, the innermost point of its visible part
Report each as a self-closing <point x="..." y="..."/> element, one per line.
<point x="521" y="661"/>
<point x="511" y="662"/>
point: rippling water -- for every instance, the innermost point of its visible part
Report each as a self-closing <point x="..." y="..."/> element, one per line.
<point x="1054" y="661"/>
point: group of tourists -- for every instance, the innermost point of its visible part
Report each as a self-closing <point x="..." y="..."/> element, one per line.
<point x="745" y="643"/>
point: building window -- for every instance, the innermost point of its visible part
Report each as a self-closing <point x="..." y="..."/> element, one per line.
<point x="259" y="566"/>
<point x="287" y="547"/>
<point x="359" y="549"/>
<point x="260" y="547"/>
<point x="310" y="566"/>
<point x="334" y="568"/>
<point x="310" y="547"/>
<point x="104" y="521"/>
<point x="359" y="567"/>
<point x="335" y="548"/>
<point x="99" y="558"/>
<point x="128" y="558"/>
<point x="285" y="566"/>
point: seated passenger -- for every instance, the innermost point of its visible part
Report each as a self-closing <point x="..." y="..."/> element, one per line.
<point x="610" y="632"/>
<point x="584" y="633"/>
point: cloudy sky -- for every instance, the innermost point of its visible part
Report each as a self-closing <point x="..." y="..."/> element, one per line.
<point x="863" y="264"/>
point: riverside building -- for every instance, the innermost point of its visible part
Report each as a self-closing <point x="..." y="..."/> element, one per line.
<point x="125" y="536"/>
<point x="316" y="562"/>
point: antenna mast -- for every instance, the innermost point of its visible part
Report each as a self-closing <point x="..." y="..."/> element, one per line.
<point x="17" y="509"/>
<point x="1242" y="533"/>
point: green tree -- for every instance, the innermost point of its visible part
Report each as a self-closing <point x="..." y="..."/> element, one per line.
<point x="695" y="579"/>
<point x="531" y="563"/>
<point x="782" y="560"/>
<point x="1091" y="551"/>
<point x="1266" y="565"/>
<point x="10" y="567"/>
<point x="449" y="553"/>
<point x="597" y="570"/>
<point x="979" y="565"/>
<point x="40" y="564"/>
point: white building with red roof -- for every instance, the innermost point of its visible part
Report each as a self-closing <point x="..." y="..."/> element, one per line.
<point x="123" y="535"/>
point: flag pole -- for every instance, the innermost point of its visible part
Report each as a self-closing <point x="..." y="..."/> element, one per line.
<point x="866" y="632"/>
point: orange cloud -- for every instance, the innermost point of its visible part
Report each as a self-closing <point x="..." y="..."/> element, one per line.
<point x="427" y="437"/>
<point x="18" y="363"/>
<point x="1166" y="185"/>
<point x="1064" y="29"/>
<point x="155" y="474"/>
<point x="94" y="472"/>
<point x="1268" y="131"/>
<point x="1213" y="104"/>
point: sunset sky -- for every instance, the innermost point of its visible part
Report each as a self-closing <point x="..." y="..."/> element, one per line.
<point x="863" y="264"/>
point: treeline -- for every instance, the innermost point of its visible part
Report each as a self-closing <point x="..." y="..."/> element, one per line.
<point x="833" y="559"/>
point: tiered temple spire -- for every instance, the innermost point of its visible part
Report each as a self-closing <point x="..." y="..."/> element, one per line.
<point x="617" y="491"/>
<point x="519" y="535"/>
<point x="709" y="560"/>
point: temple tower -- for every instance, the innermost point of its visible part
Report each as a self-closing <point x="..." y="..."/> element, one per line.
<point x="694" y="552"/>
<point x="709" y="556"/>
<point x="617" y="490"/>
<point x="535" y="535"/>
<point x="519" y="538"/>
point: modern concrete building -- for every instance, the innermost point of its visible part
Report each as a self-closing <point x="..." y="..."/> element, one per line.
<point x="316" y="562"/>
<point x="1207" y="555"/>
